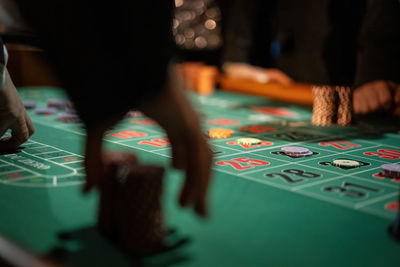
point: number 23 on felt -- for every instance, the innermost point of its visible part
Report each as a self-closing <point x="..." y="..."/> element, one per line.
<point x="243" y="163"/>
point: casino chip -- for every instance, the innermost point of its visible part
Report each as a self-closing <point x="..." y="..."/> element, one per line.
<point x="68" y="117"/>
<point x="345" y="163"/>
<point x="220" y="133"/>
<point x="46" y="111"/>
<point x="57" y="103"/>
<point x="248" y="141"/>
<point x="391" y="170"/>
<point x="296" y="151"/>
<point x="309" y="153"/>
<point x="29" y="104"/>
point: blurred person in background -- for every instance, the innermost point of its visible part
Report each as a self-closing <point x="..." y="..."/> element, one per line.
<point x="325" y="42"/>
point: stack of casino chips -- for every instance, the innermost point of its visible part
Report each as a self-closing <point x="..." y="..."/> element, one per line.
<point x="332" y="104"/>
<point x="345" y="163"/>
<point x="296" y="151"/>
<point x="247" y="141"/>
<point x="59" y="104"/>
<point x="345" y="109"/>
<point x="391" y="170"/>
<point x="46" y="111"/>
<point x="220" y="133"/>
<point x="69" y="114"/>
<point x="29" y="104"/>
<point x="324" y="106"/>
<point x="130" y="211"/>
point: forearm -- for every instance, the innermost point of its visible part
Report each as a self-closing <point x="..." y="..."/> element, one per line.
<point x="3" y="64"/>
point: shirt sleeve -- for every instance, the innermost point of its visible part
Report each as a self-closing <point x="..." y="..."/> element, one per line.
<point x="378" y="55"/>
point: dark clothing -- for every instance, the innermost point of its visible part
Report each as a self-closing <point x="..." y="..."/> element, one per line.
<point x="110" y="55"/>
<point x="322" y="42"/>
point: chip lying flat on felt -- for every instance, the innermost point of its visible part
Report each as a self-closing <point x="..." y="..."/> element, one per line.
<point x="309" y="153"/>
<point x="345" y="163"/>
<point x="248" y="141"/>
<point x="391" y="170"/>
<point x="295" y="150"/>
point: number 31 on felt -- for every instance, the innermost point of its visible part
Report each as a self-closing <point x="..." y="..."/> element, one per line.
<point x="246" y="163"/>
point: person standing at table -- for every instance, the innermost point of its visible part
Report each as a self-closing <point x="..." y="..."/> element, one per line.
<point x="325" y="42"/>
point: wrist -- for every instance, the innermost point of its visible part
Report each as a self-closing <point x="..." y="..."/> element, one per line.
<point x="3" y="63"/>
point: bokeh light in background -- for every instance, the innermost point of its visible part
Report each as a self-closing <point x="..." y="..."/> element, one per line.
<point x="196" y="24"/>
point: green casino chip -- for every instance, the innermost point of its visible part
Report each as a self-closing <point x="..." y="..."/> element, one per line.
<point x="248" y="141"/>
<point x="345" y="163"/>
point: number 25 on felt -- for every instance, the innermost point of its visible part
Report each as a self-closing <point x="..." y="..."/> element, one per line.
<point x="243" y="163"/>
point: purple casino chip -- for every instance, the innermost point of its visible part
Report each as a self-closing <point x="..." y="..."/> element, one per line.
<point x="68" y="117"/>
<point x="56" y="103"/>
<point x="295" y="150"/>
<point x="46" y="111"/>
<point x="391" y="170"/>
<point x="309" y="153"/>
<point x="71" y="110"/>
<point x="29" y="104"/>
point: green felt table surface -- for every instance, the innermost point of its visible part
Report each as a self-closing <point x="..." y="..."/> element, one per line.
<point x="266" y="209"/>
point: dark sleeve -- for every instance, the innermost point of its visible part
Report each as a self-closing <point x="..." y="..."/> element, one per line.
<point x="110" y="55"/>
<point x="378" y="56"/>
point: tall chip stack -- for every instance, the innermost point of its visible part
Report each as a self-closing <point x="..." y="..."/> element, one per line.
<point x="130" y="211"/>
<point x="345" y="109"/>
<point x="324" y="106"/>
<point x="332" y="104"/>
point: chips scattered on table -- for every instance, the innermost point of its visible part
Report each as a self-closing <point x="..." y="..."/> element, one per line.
<point x="345" y="163"/>
<point x="248" y="141"/>
<point x="220" y="133"/>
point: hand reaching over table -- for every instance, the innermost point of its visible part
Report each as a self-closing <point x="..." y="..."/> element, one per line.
<point x="247" y="71"/>
<point x="13" y="116"/>
<point x="190" y="151"/>
<point x="375" y="96"/>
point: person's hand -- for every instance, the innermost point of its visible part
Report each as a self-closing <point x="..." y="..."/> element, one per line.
<point x="13" y="116"/>
<point x="246" y="71"/>
<point x="374" y="96"/>
<point x="191" y="153"/>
